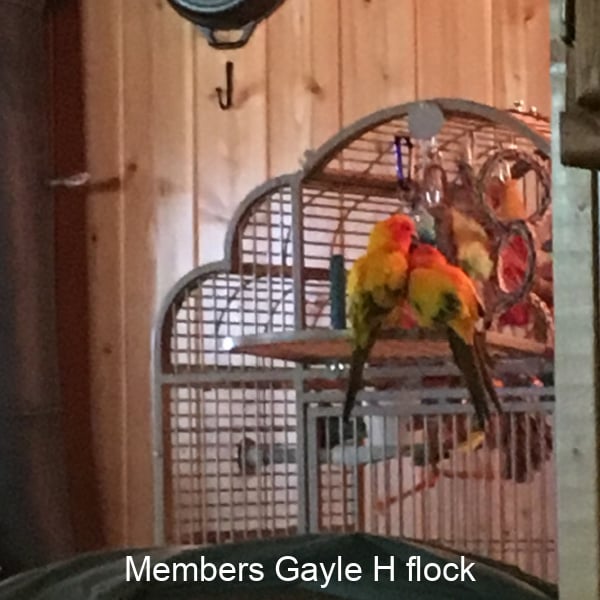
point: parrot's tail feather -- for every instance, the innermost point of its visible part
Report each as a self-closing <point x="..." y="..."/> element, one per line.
<point x="479" y="340"/>
<point x="355" y="378"/>
<point x="485" y="363"/>
<point x="465" y="357"/>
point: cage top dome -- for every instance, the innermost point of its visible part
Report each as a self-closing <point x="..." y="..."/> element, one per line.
<point x="362" y="146"/>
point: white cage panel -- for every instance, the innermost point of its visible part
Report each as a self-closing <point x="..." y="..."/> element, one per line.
<point x="413" y="477"/>
<point x="221" y="308"/>
<point x="218" y="491"/>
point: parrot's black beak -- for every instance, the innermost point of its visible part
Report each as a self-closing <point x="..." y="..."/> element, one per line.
<point x="414" y="242"/>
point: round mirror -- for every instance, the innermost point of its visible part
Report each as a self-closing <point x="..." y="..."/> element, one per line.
<point x="425" y="120"/>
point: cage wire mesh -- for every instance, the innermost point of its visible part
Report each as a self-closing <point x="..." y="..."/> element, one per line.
<point x="249" y="375"/>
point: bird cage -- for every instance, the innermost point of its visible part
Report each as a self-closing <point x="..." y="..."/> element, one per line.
<point x="250" y="360"/>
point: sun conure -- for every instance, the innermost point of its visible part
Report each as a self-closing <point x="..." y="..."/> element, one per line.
<point x="443" y="295"/>
<point x="472" y="246"/>
<point x="376" y="283"/>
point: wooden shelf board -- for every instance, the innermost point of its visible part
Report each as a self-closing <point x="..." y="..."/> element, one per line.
<point x="325" y="345"/>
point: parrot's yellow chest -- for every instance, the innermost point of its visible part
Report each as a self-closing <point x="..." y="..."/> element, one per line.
<point x="376" y="283"/>
<point x="380" y="274"/>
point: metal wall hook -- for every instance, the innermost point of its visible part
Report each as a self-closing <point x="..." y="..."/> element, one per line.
<point x="228" y="102"/>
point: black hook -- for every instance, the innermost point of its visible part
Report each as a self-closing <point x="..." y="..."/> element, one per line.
<point x="227" y="104"/>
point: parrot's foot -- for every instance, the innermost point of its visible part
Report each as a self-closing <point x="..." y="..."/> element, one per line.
<point x="474" y="441"/>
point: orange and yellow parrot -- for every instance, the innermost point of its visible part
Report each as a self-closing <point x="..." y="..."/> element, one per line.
<point x="471" y="240"/>
<point x="472" y="246"/>
<point x="376" y="284"/>
<point x="443" y="295"/>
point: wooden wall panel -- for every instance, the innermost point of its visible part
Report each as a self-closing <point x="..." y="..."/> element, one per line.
<point x="102" y="55"/>
<point x="139" y="268"/>
<point x="133" y="257"/>
<point x="521" y="53"/>
<point x="377" y="59"/>
<point x="173" y="137"/>
<point x="454" y="49"/>
<point x="303" y="80"/>
<point x="157" y="209"/>
<point x="230" y="145"/>
<point x="67" y="111"/>
<point x="537" y="52"/>
<point x="509" y="57"/>
<point x="153" y="120"/>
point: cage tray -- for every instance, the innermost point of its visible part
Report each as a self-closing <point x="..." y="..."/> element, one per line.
<point x="326" y="345"/>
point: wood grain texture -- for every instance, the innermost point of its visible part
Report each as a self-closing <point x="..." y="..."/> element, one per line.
<point x="102" y="53"/>
<point x="158" y="207"/>
<point x="537" y="51"/>
<point x="377" y="56"/>
<point x="303" y="80"/>
<point x="454" y="49"/>
<point x="508" y="53"/>
<point x="139" y="269"/>
<point x="231" y="145"/>
<point x="174" y="231"/>
<point x="521" y="53"/>
<point x="67" y="108"/>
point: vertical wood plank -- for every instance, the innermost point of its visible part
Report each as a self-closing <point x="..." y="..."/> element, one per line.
<point x="67" y="108"/>
<point x="139" y="260"/>
<point x="454" y="49"/>
<point x="537" y="35"/>
<point x="377" y="55"/>
<point x="521" y="46"/>
<point x="303" y="80"/>
<point x="174" y="232"/>
<point x="509" y="58"/>
<point x="104" y="124"/>
<point x="158" y="214"/>
<point x="231" y="145"/>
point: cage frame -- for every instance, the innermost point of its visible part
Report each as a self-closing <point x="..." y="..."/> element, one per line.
<point x="314" y="162"/>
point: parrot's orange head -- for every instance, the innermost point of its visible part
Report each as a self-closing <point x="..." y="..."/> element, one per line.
<point x="397" y="232"/>
<point x="425" y="255"/>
